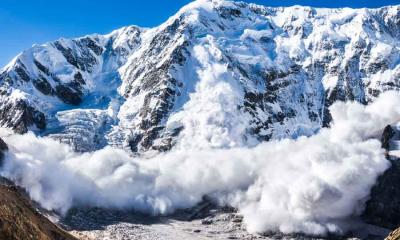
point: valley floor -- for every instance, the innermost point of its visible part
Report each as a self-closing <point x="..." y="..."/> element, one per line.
<point x="203" y="222"/>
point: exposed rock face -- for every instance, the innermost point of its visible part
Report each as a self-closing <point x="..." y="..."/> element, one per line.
<point x="19" y="115"/>
<point x="20" y="221"/>
<point x="383" y="207"/>
<point x="387" y="134"/>
<point x="282" y="69"/>
<point x="3" y="149"/>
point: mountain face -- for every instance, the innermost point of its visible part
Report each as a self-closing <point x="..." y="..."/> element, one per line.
<point x="218" y="74"/>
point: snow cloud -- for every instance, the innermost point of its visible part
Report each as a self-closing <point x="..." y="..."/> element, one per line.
<point x="308" y="185"/>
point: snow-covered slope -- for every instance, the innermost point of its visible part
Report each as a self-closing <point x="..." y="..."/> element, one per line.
<point x="60" y="87"/>
<point x="218" y="74"/>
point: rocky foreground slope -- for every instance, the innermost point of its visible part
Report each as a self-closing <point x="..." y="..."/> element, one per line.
<point x="21" y="221"/>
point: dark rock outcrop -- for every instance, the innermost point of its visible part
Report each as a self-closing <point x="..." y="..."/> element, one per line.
<point x="388" y="133"/>
<point x="383" y="207"/>
<point x="19" y="116"/>
<point x="69" y="95"/>
<point x="3" y="149"/>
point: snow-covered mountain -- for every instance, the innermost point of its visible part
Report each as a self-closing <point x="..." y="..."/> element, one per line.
<point x="218" y="74"/>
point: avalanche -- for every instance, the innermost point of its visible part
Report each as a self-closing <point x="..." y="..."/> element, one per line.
<point x="311" y="185"/>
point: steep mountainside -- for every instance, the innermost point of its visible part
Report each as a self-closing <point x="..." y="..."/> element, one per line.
<point x="217" y="74"/>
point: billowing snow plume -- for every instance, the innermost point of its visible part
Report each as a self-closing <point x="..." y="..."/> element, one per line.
<point x="308" y="185"/>
<point x="212" y="118"/>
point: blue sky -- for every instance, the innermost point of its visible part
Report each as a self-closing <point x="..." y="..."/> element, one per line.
<point x="25" y="22"/>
